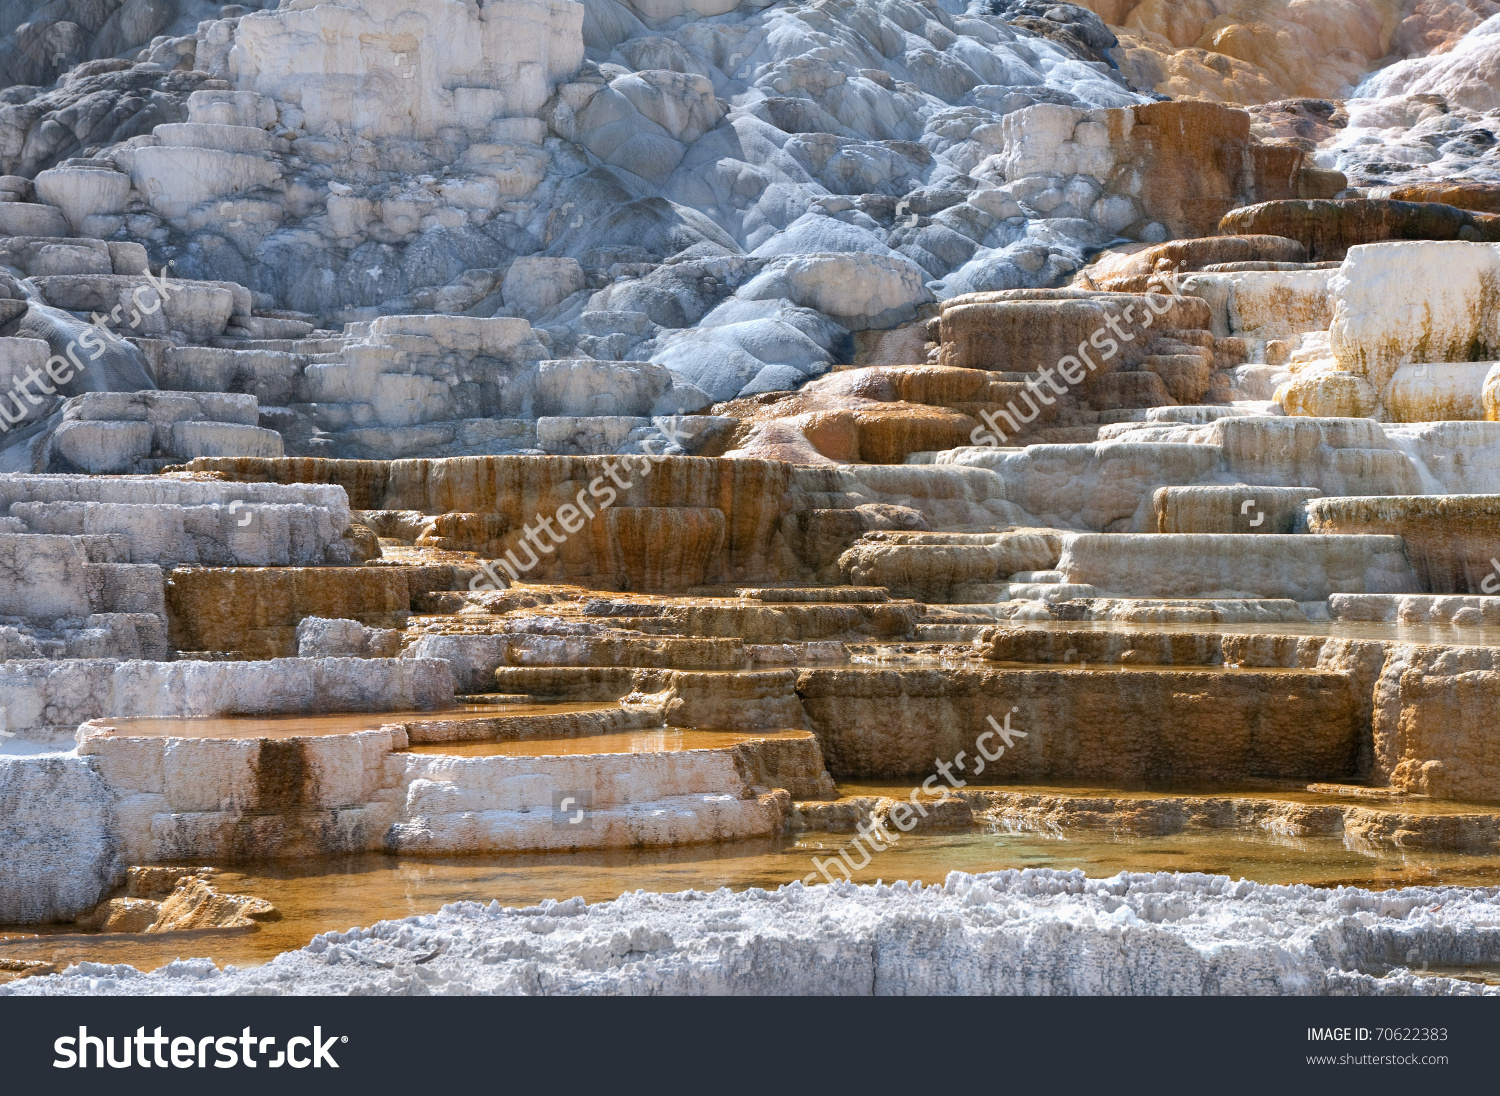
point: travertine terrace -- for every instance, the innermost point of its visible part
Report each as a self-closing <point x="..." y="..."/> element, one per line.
<point x="529" y="427"/>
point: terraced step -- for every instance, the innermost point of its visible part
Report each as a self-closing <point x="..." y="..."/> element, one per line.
<point x="1371" y="816"/>
<point x="1122" y="725"/>
<point x="780" y="622"/>
<point x="801" y="594"/>
<point x="560" y="780"/>
<point x="1303" y="567"/>
<point x="531" y="721"/>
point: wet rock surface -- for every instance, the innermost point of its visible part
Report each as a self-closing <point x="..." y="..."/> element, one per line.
<point x="962" y="936"/>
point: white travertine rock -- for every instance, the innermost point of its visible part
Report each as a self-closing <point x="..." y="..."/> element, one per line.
<point x="473" y="658"/>
<point x="1338" y="456"/>
<point x="55" y="822"/>
<point x="1462" y="77"/>
<point x="368" y="383"/>
<point x="225" y="138"/>
<point x="191" y="440"/>
<point x="644" y="121"/>
<point x="1036" y="931"/>
<point x="175" y="180"/>
<point x="1414" y="301"/>
<point x="669" y="820"/>
<point x="69" y="258"/>
<point x="191" y="797"/>
<point x="82" y="193"/>
<point x="163" y="408"/>
<point x="585" y="387"/>
<point x="287" y="535"/>
<point x="1432" y="392"/>
<point x="385" y="68"/>
<point x="955" y="498"/>
<point x="42" y="577"/>
<point x="269" y="376"/>
<point x="1303" y="567"/>
<point x="42" y="694"/>
<point x="18" y="359"/>
<point x="1051" y="139"/>
<point x="1098" y="486"/>
<point x="164" y="521"/>
<point x="318" y="637"/>
<point x="28" y="219"/>
<point x="166" y="491"/>
<point x="535" y="283"/>
<point x="660" y="11"/>
<point x="1265" y="304"/>
<point x="857" y="290"/>
<point x="103" y="447"/>
<point x="232" y="108"/>
<point x="507" y="170"/>
<point x="1328" y="394"/>
<point x="682" y="104"/>
<point x="497" y="337"/>
<point x="587" y="435"/>
<point x="1441" y="609"/>
<point x="1457" y="457"/>
<point x="149" y="306"/>
<point x="493" y="803"/>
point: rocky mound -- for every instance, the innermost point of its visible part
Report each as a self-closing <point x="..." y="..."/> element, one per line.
<point x="1035" y="932"/>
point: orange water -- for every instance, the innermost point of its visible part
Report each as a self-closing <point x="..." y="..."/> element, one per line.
<point x="660" y="740"/>
<point x="288" y="726"/>
<point x="337" y="894"/>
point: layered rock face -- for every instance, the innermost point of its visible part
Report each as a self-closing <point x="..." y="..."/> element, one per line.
<point x="447" y="63"/>
<point x="714" y="200"/>
<point x="424" y="429"/>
